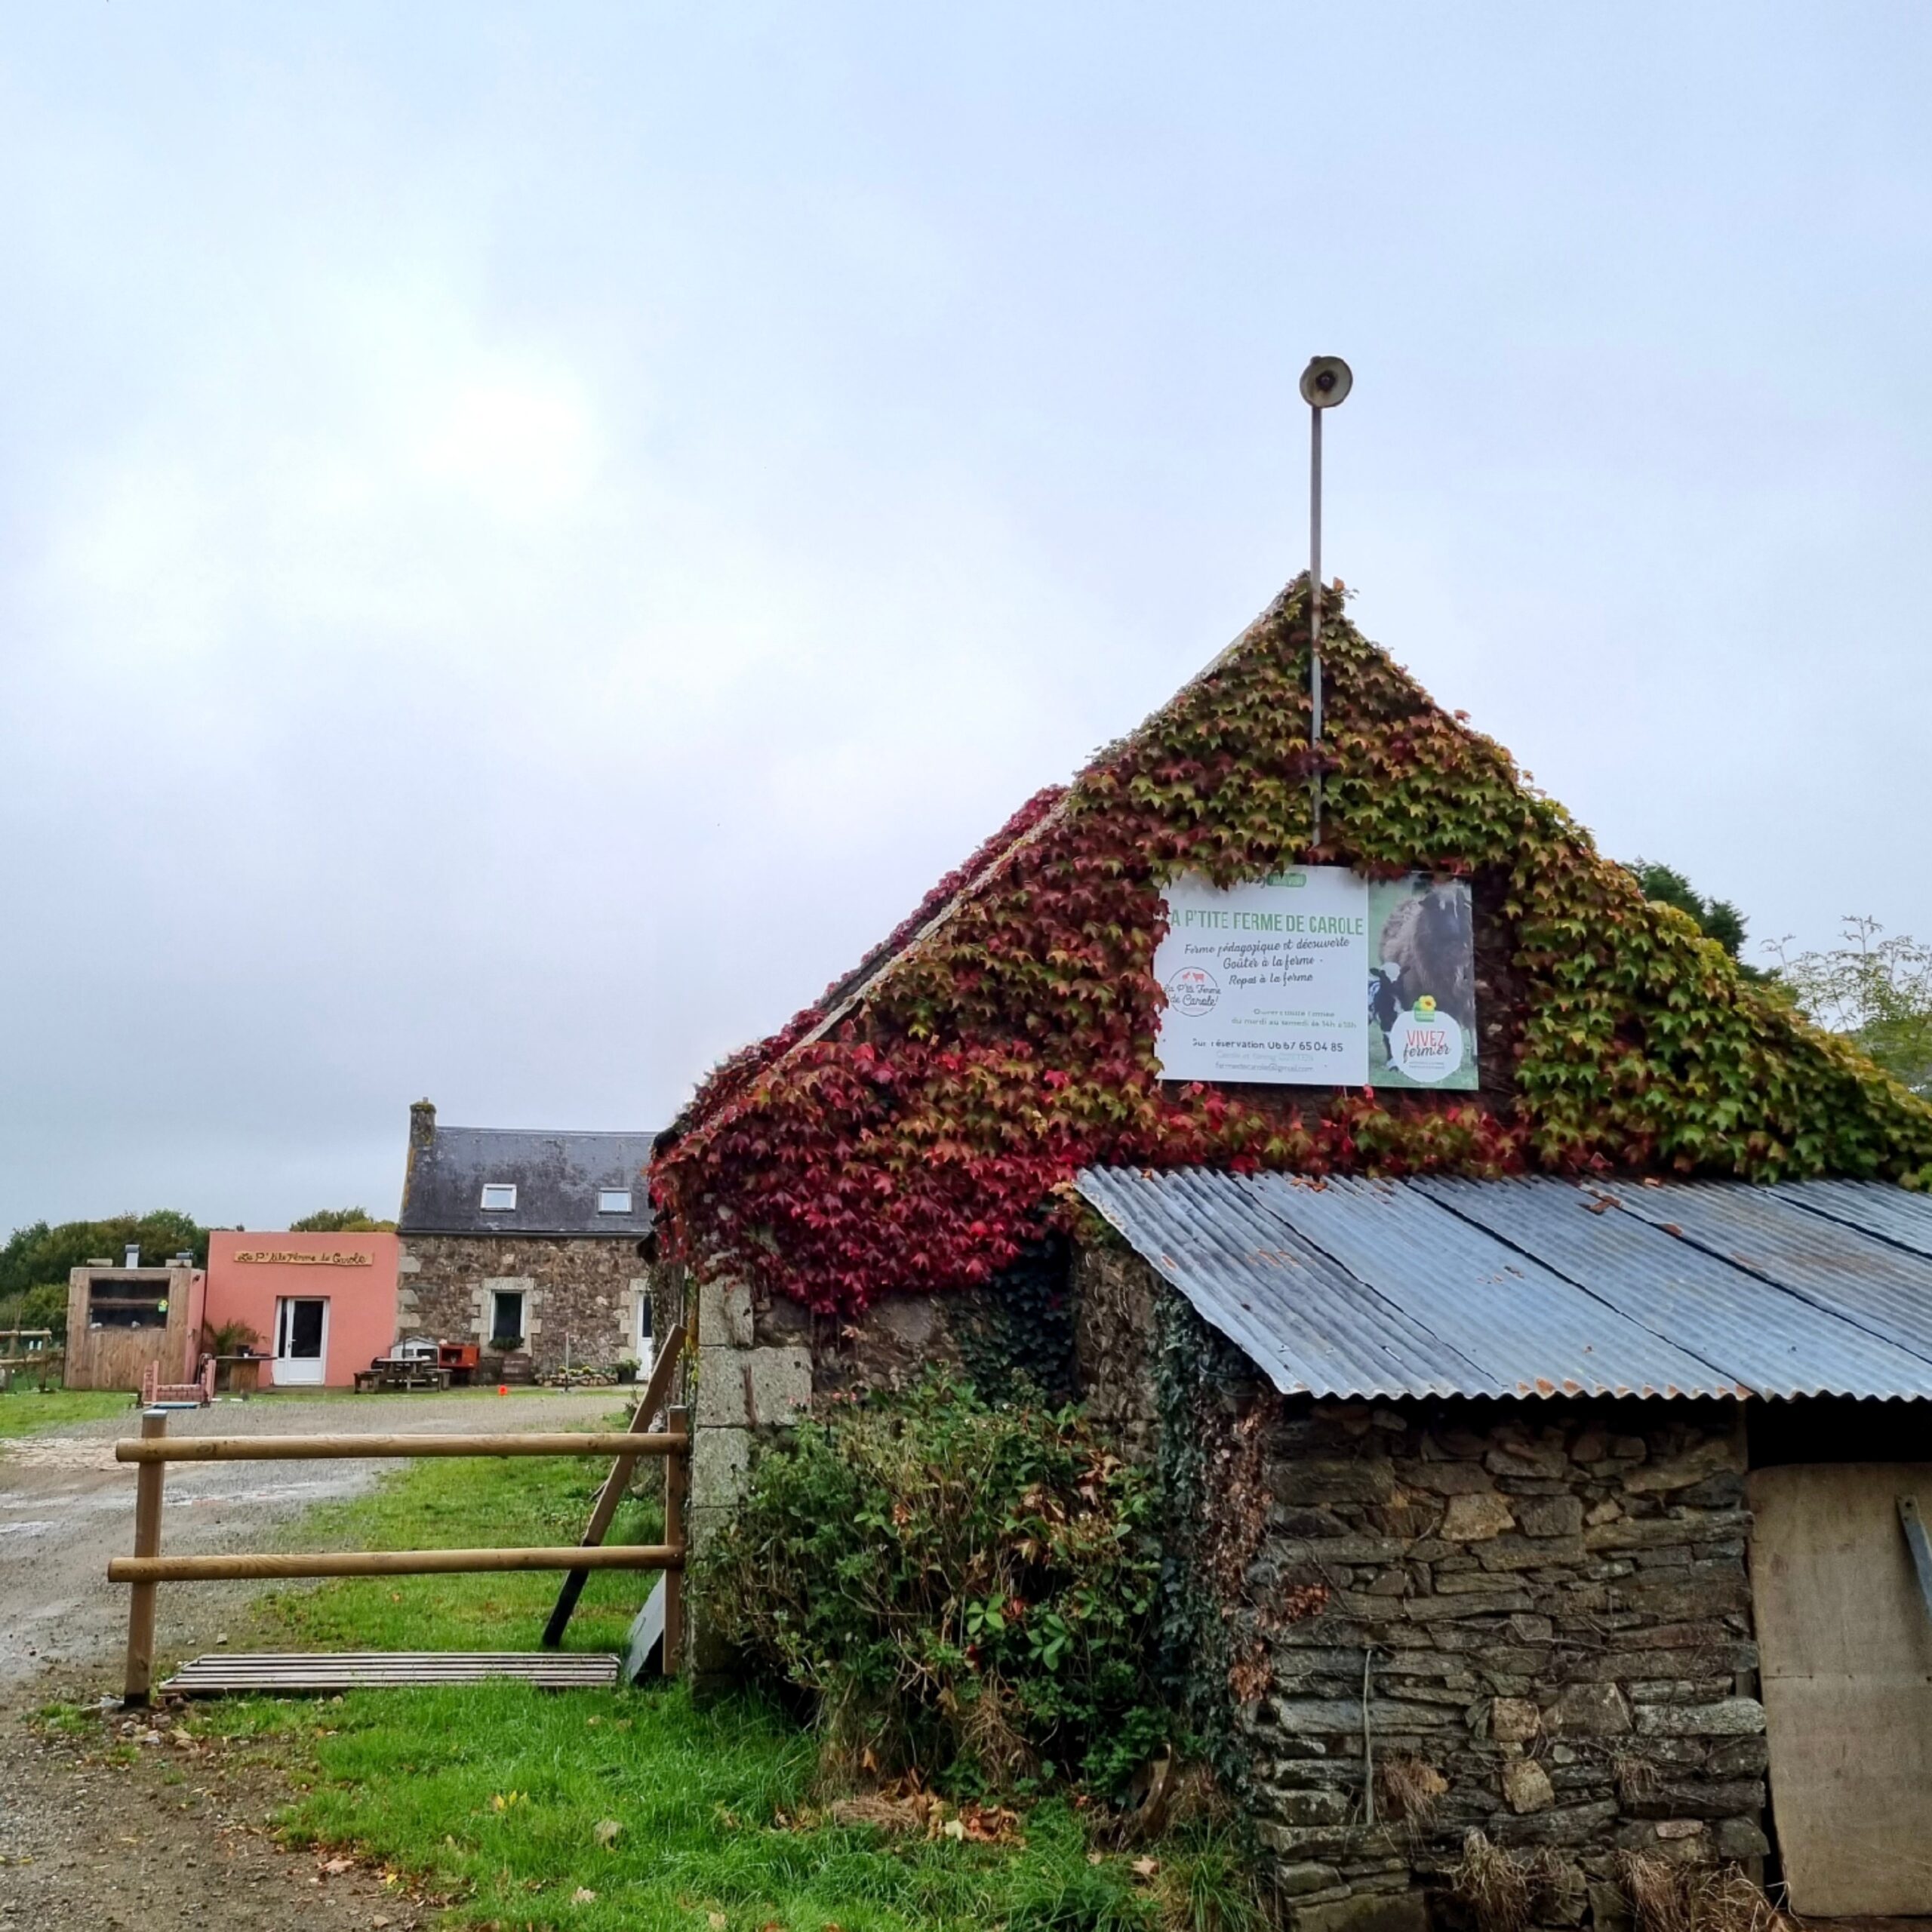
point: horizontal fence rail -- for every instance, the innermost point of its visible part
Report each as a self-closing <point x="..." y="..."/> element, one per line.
<point x="347" y="1448"/>
<point x="390" y="1563"/>
<point x="153" y="1450"/>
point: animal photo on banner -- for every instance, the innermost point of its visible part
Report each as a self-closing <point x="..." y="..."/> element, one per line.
<point x="1422" y="984"/>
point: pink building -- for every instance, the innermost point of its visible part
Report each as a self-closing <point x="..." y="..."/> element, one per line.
<point x="322" y="1305"/>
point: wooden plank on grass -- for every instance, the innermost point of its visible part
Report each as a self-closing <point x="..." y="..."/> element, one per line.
<point x="270" y="1673"/>
<point x="616" y="1483"/>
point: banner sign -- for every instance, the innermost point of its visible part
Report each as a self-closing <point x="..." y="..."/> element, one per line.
<point x="1317" y="977"/>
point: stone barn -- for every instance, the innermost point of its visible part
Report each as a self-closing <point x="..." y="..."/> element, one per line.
<point x="1564" y="1511"/>
<point x="1529" y="1315"/>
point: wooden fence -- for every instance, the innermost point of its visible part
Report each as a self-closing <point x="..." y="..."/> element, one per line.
<point x="153" y="1450"/>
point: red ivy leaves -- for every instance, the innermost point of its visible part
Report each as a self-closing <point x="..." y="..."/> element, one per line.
<point x="919" y="1142"/>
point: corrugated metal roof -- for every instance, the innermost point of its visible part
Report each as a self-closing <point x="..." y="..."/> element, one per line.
<point x="1889" y="1213"/>
<point x="1543" y="1287"/>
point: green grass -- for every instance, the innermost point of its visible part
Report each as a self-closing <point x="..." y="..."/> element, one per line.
<point x="458" y="1503"/>
<point x="497" y="1791"/>
<point x="502" y="1797"/>
<point x="23" y="1411"/>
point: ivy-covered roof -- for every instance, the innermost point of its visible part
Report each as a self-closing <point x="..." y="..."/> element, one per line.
<point x="918" y="1126"/>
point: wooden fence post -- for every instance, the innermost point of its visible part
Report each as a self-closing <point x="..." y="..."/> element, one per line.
<point x="677" y="1486"/>
<point x="147" y="1542"/>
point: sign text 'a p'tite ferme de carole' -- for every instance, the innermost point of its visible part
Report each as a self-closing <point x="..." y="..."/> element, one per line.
<point x="284" y="1257"/>
<point x="1317" y="977"/>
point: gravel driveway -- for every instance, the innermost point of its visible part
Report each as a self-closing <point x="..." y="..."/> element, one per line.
<point x="137" y="1829"/>
<point x="66" y="1507"/>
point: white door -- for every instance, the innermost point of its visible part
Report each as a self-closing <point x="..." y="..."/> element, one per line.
<point x="301" y="1341"/>
<point x="643" y="1338"/>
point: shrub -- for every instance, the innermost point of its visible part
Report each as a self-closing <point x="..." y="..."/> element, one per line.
<point x="965" y="1589"/>
<point x="228" y="1338"/>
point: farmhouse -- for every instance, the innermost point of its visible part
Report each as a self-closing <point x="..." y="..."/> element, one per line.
<point x="532" y="1245"/>
<point x="1529" y="1318"/>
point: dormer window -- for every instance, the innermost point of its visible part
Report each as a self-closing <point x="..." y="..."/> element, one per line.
<point x="499" y="1196"/>
<point x="613" y="1201"/>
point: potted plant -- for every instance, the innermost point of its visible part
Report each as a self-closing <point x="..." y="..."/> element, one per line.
<point x="626" y="1368"/>
<point x="230" y="1338"/>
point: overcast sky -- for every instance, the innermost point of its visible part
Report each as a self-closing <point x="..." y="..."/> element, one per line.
<point x="530" y="535"/>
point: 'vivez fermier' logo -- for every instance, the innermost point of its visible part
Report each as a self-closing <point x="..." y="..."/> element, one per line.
<point x="1424" y="1044"/>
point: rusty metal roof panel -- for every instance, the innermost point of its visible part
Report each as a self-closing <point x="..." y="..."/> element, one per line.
<point x="1312" y="1326"/>
<point x="1876" y="1206"/>
<point x="1343" y="1286"/>
<point x="1533" y="1330"/>
<point x="1863" y="1282"/>
<point x="1773" y="1342"/>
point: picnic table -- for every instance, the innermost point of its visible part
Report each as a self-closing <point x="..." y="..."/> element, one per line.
<point x="403" y="1372"/>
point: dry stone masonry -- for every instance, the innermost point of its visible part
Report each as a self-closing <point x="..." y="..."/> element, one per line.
<point x="582" y="1293"/>
<point x="1548" y="1605"/>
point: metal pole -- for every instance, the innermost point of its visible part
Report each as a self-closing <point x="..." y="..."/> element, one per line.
<point x="1314" y="612"/>
<point x="1324" y="383"/>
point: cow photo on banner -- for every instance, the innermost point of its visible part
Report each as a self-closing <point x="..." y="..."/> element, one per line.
<point x="1317" y="977"/>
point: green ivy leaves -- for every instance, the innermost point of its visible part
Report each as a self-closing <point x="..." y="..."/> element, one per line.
<point x="920" y="1142"/>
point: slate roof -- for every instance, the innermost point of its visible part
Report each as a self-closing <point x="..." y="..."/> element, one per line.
<point x="557" y="1177"/>
<point x="1546" y="1286"/>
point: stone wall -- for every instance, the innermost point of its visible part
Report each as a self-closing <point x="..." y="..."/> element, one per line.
<point x="1549" y="1599"/>
<point x="743" y="1387"/>
<point x="1113" y="1342"/>
<point x="583" y="1288"/>
<point x="762" y="1361"/>
<point x="1021" y="1323"/>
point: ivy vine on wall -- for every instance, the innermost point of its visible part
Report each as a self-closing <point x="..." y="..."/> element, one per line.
<point x="916" y="1128"/>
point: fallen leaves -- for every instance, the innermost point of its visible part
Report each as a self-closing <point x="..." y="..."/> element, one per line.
<point x="906" y="1808"/>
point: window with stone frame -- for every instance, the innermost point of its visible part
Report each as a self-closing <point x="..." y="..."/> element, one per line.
<point x="506" y="1318"/>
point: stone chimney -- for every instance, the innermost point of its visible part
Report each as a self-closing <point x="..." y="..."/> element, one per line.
<point x="422" y="1124"/>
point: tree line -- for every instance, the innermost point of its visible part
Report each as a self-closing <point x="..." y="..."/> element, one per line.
<point x="1875" y="987"/>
